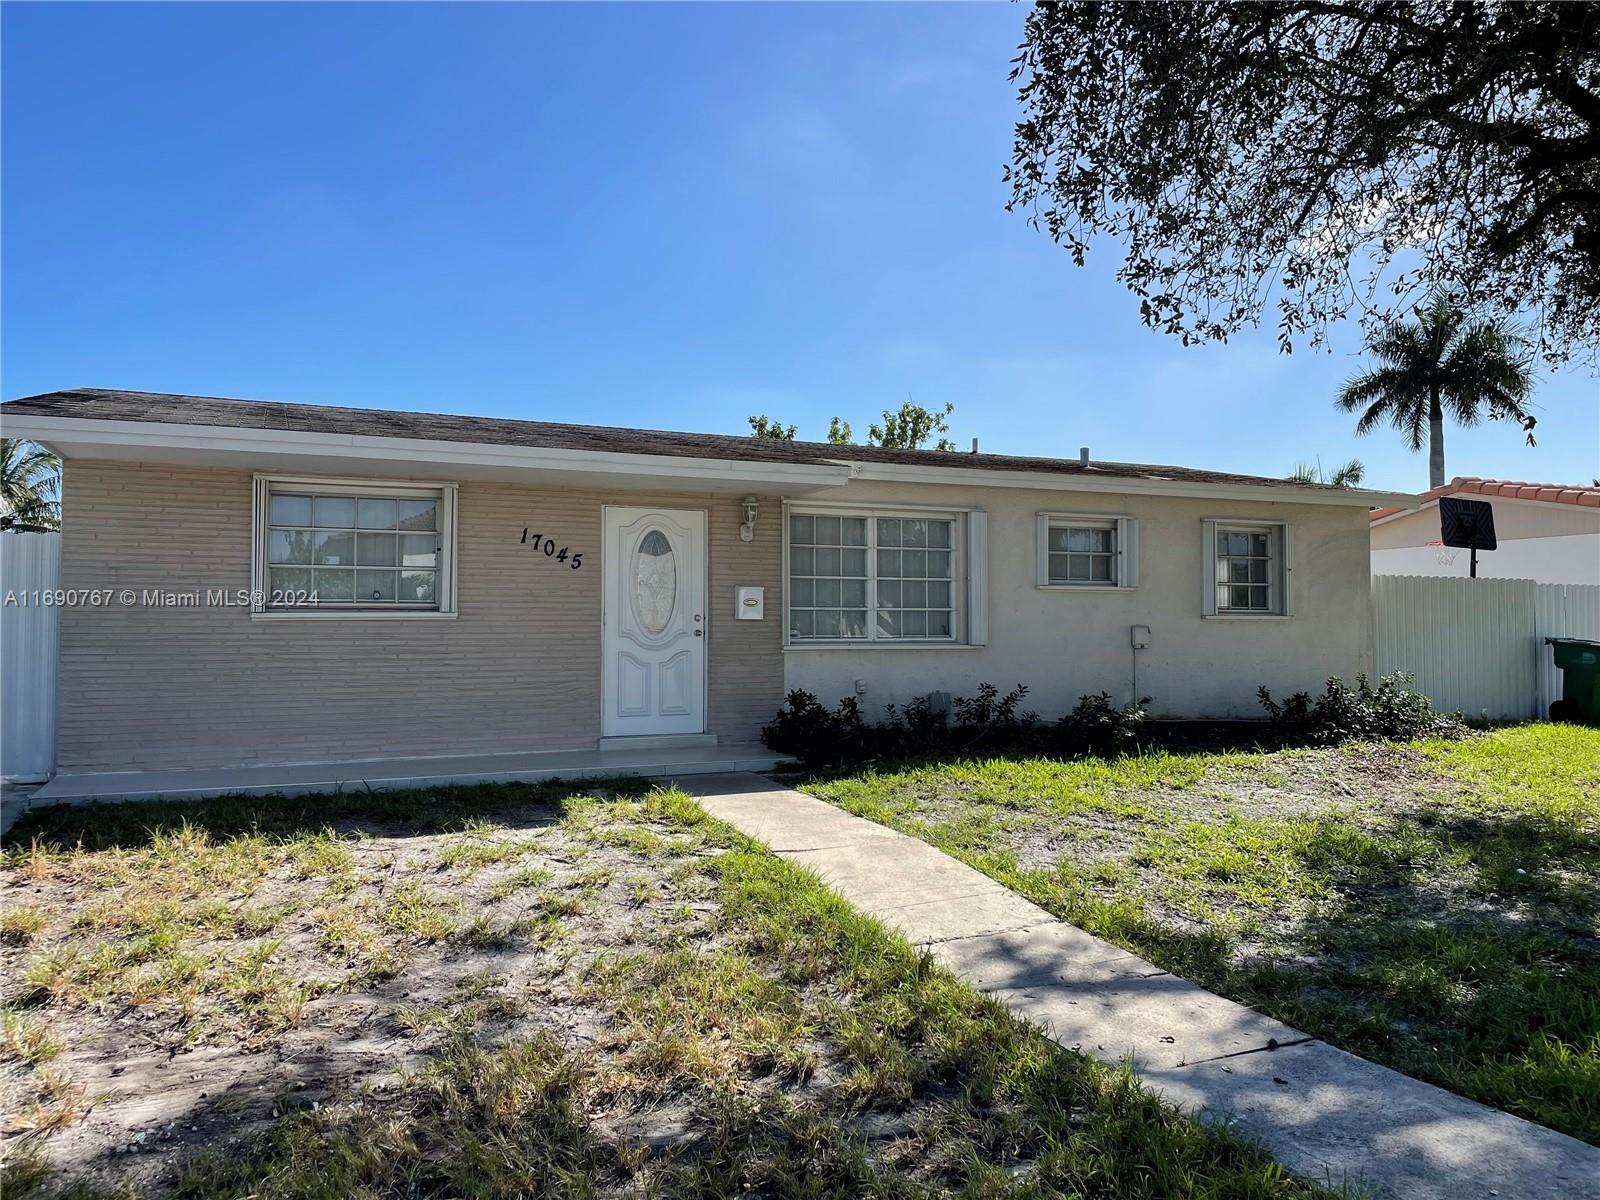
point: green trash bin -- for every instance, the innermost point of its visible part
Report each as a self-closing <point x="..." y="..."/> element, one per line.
<point x="1579" y="660"/>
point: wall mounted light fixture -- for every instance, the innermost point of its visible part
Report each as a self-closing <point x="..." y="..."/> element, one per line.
<point x="747" y="531"/>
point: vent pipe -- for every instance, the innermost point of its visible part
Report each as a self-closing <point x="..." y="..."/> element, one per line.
<point x="1083" y="456"/>
<point x="974" y="445"/>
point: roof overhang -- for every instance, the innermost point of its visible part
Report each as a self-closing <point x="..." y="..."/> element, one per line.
<point x="413" y="458"/>
<point x="1422" y="503"/>
<point x="1088" y="481"/>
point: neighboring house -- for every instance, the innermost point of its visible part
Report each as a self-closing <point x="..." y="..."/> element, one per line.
<point x="427" y="586"/>
<point x="1547" y="532"/>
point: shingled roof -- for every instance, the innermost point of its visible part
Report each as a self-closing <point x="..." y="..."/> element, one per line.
<point x="168" y="408"/>
<point x="1510" y="489"/>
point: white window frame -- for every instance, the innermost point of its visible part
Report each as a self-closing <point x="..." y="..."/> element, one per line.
<point x="445" y="493"/>
<point x="1279" y="591"/>
<point x="1124" y="551"/>
<point x="969" y="620"/>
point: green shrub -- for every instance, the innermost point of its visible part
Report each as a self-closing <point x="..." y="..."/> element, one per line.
<point x="1393" y="711"/>
<point x="1096" y="726"/>
<point x="807" y="729"/>
<point x="988" y="719"/>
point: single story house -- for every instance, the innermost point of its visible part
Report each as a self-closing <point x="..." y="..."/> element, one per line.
<point x="282" y="594"/>
<point x="1547" y="532"/>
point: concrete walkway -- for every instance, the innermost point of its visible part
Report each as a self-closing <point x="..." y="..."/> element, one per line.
<point x="1326" y="1115"/>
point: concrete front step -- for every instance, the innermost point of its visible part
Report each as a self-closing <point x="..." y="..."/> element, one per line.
<point x="660" y="741"/>
<point x="304" y="778"/>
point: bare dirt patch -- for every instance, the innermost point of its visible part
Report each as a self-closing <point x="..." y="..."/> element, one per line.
<point x="191" y="997"/>
<point x="1376" y="782"/>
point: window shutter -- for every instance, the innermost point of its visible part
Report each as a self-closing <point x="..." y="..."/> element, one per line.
<point x="1208" y="568"/>
<point x="258" y="544"/>
<point x="1288" y="569"/>
<point x="1041" y="549"/>
<point x="978" y="578"/>
<point x="1127" y="552"/>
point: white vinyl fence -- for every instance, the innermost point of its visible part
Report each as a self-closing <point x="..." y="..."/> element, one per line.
<point x="1477" y="645"/>
<point x="29" y="563"/>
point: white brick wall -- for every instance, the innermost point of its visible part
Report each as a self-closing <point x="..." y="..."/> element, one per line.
<point x="518" y="669"/>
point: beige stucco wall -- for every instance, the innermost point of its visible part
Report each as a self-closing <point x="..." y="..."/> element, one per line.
<point x="518" y="669"/>
<point x="1063" y="644"/>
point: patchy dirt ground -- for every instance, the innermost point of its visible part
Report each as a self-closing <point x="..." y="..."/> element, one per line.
<point x="1107" y="822"/>
<point x="517" y="992"/>
<point x="196" y="988"/>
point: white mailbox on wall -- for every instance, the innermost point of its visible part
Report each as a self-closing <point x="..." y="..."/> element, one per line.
<point x="750" y="603"/>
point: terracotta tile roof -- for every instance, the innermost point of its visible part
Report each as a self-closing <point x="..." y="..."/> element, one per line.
<point x="107" y="405"/>
<point x="1511" y="489"/>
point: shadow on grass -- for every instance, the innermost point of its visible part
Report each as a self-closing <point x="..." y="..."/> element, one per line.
<point x="1467" y="957"/>
<point x="387" y="812"/>
<point x="1474" y="964"/>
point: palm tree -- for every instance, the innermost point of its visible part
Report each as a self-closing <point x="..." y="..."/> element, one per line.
<point x="30" y="486"/>
<point x="1445" y="362"/>
<point x="1349" y="475"/>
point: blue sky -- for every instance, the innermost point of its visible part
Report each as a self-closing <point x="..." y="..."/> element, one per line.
<point x="665" y="216"/>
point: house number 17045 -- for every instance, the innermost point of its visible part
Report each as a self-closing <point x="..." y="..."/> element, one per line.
<point x="563" y="555"/>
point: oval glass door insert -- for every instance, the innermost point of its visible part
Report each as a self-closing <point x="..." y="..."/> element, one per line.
<point x="654" y="582"/>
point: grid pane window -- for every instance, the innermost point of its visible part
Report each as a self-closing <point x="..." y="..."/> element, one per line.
<point x="1082" y="554"/>
<point x="353" y="551"/>
<point x="1244" y="570"/>
<point x="915" y="572"/>
<point x="870" y="578"/>
<point x="827" y="576"/>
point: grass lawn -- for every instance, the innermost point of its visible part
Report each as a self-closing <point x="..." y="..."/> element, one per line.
<point x="518" y="991"/>
<point x="1432" y="906"/>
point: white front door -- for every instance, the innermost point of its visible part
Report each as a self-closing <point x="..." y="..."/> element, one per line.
<point x="654" y="648"/>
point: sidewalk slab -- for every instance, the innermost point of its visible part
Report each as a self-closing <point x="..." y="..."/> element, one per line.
<point x="1325" y="1114"/>
<point x="1157" y="1021"/>
<point x="919" y="872"/>
<point x="1335" y="1118"/>
<point x="935" y="923"/>
<point x="785" y="830"/>
<point x="1043" y="951"/>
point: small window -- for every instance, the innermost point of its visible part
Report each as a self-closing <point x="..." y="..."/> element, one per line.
<point x="872" y="577"/>
<point x="352" y="547"/>
<point x="1246" y="569"/>
<point x="1085" y="551"/>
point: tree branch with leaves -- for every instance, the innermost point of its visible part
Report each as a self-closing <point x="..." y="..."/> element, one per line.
<point x="1322" y="158"/>
<point x="909" y="427"/>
